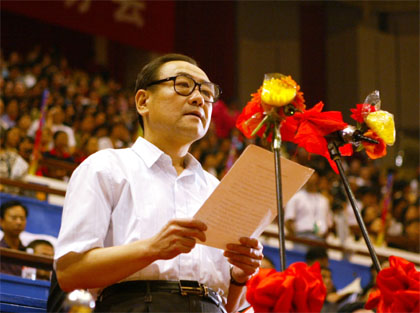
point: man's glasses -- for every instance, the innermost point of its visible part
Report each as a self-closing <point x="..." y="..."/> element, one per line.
<point x="185" y="85"/>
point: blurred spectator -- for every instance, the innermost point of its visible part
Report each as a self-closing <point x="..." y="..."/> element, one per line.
<point x="55" y="121"/>
<point x="60" y="151"/>
<point x="9" y="118"/>
<point x="26" y="147"/>
<point x="13" y="216"/>
<point x="119" y="137"/>
<point x="307" y="214"/>
<point x="41" y="247"/>
<point x="89" y="147"/>
<point x="12" y="165"/>
<point x="317" y="254"/>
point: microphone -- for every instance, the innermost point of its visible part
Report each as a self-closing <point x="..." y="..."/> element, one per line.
<point x="352" y="135"/>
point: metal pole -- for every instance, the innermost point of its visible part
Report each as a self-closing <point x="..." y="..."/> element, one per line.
<point x="335" y="155"/>
<point x="279" y="194"/>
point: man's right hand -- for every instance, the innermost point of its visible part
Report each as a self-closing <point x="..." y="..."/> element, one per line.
<point x="176" y="237"/>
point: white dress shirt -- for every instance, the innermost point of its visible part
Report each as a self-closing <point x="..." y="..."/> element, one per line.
<point x="309" y="210"/>
<point x="117" y="196"/>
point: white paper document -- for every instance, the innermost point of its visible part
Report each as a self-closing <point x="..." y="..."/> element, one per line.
<point x="244" y="203"/>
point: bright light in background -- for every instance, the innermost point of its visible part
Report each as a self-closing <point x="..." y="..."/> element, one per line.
<point x="399" y="159"/>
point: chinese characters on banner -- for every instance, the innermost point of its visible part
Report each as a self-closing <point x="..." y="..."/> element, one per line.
<point x="134" y="22"/>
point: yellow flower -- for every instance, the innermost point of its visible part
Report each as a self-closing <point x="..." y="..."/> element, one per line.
<point x="278" y="90"/>
<point x="382" y="123"/>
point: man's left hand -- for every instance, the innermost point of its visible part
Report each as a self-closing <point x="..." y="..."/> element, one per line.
<point x="245" y="257"/>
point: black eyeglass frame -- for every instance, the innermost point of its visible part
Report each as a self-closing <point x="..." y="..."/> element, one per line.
<point x="173" y="78"/>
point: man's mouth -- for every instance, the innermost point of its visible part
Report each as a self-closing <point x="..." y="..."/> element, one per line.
<point x="196" y="113"/>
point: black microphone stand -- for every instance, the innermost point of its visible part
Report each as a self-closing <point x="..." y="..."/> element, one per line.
<point x="334" y="142"/>
<point x="280" y="212"/>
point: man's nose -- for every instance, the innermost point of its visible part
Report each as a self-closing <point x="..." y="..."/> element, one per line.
<point x="196" y="98"/>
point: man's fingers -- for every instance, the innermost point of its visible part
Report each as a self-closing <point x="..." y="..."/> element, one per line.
<point x="190" y="223"/>
<point x="250" y="242"/>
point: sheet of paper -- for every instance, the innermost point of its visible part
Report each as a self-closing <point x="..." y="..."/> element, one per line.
<point x="244" y="203"/>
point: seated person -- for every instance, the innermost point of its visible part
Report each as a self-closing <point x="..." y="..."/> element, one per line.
<point x="41" y="247"/>
<point x="12" y="221"/>
<point x="317" y="254"/>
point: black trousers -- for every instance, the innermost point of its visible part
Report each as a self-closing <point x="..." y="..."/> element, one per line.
<point x="131" y="299"/>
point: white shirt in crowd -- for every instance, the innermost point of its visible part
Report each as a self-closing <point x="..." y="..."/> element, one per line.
<point x="119" y="196"/>
<point x="309" y="211"/>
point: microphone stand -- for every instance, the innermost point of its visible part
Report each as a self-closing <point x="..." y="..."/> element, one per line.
<point x="333" y="144"/>
<point x="280" y="212"/>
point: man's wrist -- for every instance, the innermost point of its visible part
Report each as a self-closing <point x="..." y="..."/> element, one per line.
<point x="233" y="281"/>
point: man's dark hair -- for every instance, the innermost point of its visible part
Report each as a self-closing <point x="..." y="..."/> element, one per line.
<point x="150" y="71"/>
<point x="315" y="253"/>
<point x="37" y="242"/>
<point x="7" y="205"/>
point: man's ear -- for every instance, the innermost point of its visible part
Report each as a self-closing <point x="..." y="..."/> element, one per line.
<point x="141" y="102"/>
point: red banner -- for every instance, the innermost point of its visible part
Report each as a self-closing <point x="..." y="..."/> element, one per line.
<point x="148" y="25"/>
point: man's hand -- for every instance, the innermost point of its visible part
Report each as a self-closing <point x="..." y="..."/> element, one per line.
<point x="245" y="258"/>
<point x="176" y="237"/>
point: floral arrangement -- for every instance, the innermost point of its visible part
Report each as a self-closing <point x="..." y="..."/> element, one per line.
<point x="280" y="102"/>
<point x="298" y="289"/>
<point x="398" y="288"/>
<point x="374" y="123"/>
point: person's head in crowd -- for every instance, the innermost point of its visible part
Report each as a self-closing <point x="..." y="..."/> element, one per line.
<point x="41" y="247"/>
<point x="88" y="124"/>
<point x="61" y="142"/>
<point x="312" y="185"/>
<point x="355" y="166"/>
<point x="100" y="118"/>
<point x="13" y="216"/>
<point x="412" y="228"/>
<point x="399" y="208"/>
<point x="267" y="263"/>
<point x="24" y="123"/>
<point x="70" y="114"/>
<point x="371" y="217"/>
<point x="12" y="110"/>
<point x="102" y="131"/>
<point x="412" y="212"/>
<point x="12" y="139"/>
<point x="367" y="195"/>
<point x="91" y="146"/>
<point x="19" y="90"/>
<point x="327" y="279"/>
<point x="354" y="307"/>
<point x="120" y="132"/>
<point x="46" y="139"/>
<point x="26" y="147"/>
<point x="58" y="115"/>
<point x="317" y="254"/>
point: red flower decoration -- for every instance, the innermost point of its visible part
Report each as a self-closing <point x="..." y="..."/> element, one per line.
<point x="374" y="151"/>
<point x="251" y="116"/>
<point x="398" y="288"/>
<point x="298" y="289"/>
<point x="309" y="128"/>
<point x="361" y="111"/>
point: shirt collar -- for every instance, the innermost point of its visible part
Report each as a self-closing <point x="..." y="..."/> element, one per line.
<point x="151" y="154"/>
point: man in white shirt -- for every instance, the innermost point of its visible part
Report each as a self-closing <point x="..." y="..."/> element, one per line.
<point x="127" y="228"/>
<point x="307" y="214"/>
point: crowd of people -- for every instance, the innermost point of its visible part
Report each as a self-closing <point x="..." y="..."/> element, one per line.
<point x="87" y="112"/>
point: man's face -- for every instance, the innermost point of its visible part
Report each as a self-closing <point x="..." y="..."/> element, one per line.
<point x="14" y="221"/>
<point x="44" y="249"/>
<point x="170" y="115"/>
